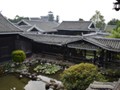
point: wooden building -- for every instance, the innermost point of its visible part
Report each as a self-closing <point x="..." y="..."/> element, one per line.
<point x="76" y="27"/>
<point x="38" y="26"/>
<point x="9" y="39"/>
<point x="73" y="48"/>
<point x="76" y="48"/>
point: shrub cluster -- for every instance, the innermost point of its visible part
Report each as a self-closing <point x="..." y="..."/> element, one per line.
<point x="18" y="56"/>
<point x="78" y="77"/>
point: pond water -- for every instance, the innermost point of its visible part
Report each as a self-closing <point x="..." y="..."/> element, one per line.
<point x="39" y="85"/>
<point x="8" y="82"/>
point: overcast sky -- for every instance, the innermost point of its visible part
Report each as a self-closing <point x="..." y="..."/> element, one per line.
<point x="66" y="9"/>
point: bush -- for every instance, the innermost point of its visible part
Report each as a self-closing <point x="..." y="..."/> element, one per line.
<point x="113" y="72"/>
<point x="18" y="56"/>
<point x="47" y="68"/>
<point x="78" y="77"/>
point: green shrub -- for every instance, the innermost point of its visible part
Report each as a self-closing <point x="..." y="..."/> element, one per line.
<point x="18" y="56"/>
<point x="78" y="77"/>
<point x="113" y="72"/>
<point x="47" y="68"/>
<point x="1" y="70"/>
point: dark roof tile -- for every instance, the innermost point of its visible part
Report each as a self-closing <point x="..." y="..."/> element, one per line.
<point x="46" y="26"/>
<point x="84" y="46"/>
<point x="6" y="26"/>
<point x="52" y="39"/>
<point x="75" y="25"/>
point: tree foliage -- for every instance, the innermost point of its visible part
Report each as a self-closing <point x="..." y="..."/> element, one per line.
<point x="80" y="19"/>
<point x="98" y="19"/>
<point x="113" y="22"/>
<point x="78" y="77"/>
<point x="116" y="32"/>
<point x="18" y="56"/>
<point x="17" y="19"/>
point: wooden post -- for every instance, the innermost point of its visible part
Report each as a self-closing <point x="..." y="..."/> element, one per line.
<point x="101" y="58"/>
<point x="85" y="54"/>
<point x="94" y="60"/>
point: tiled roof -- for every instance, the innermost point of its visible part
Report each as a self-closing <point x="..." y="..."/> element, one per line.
<point x="83" y="46"/>
<point x="46" y="26"/>
<point x="96" y="43"/>
<point x="28" y="28"/>
<point x="34" y="18"/>
<point x="52" y="39"/>
<point x="25" y="27"/>
<point x="79" y="42"/>
<point x="109" y="28"/>
<point x="6" y="26"/>
<point x="97" y="34"/>
<point x="111" y="44"/>
<point x="75" y="25"/>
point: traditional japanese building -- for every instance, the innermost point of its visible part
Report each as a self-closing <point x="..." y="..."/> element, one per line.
<point x="9" y="39"/>
<point x="43" y="25"/>
<point x="74" y="48"/>
<point x="76" y="27"/>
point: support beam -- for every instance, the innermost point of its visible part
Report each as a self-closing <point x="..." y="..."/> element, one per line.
<point x="94" y="60"/>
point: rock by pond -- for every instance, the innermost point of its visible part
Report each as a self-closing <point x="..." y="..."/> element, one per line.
<point x="40" y="85"/>
<point x="35" y="85"/>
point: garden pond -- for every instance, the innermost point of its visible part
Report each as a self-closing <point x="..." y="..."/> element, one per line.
<point x="12" y="80"/>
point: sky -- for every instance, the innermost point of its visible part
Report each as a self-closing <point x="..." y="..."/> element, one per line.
<point x="68" y="10"/>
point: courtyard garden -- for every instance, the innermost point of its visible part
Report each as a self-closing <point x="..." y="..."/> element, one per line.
<point x="15" y="75"/>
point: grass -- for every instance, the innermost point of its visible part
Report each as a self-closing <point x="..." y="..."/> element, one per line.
<point x="9" y="81"/>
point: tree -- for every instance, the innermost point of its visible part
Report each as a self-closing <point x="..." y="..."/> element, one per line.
<point x="113" y="22"/>
<point x="78" y="77"/>
<point x="17" y="18"/>
<point x="116" y="32"/>
<point x="98" y="19"/>
<point x="80" y="19"/>
<point x="18" y="56"/>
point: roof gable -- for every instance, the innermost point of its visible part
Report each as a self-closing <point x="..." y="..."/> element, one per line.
<point x="34" y="30"/>
<point x="46" y="26"/>
<point x="92" y="26"/>
<point x="22" y="23"/>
